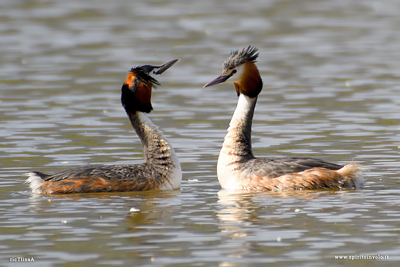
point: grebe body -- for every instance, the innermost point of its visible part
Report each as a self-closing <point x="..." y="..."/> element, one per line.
<point x="238" y="168"/>
<point x="161" y="169"/>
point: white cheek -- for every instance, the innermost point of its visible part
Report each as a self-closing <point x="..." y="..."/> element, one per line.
<point x="238" y="75"/>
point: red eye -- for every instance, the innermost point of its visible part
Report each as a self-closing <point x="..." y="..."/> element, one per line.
<point x="234" y="71"/>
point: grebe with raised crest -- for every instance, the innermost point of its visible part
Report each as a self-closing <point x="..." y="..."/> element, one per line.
<point x="161" y="169"/>
<point x="238" y="168"/>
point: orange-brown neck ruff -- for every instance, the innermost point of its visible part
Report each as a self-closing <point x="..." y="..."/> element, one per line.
<point x="136" y="93"/>
<point x="250" y="82"/>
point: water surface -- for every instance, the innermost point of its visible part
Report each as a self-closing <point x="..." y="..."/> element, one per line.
<point x="331" y="90"/>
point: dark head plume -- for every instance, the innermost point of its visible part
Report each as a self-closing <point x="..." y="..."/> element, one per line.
<point x="136" y="91"/>
<point x="237" y="58"/>
<point x="240" y="68"/>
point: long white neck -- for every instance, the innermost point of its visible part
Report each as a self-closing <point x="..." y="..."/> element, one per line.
<point x="156" y="149"/>
<point x="237" y="143"/>
<point x="236" y="148"/>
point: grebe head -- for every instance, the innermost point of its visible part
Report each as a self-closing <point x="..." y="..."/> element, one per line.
<point x="240" y="68"/>
<point x="157" y="70"/>
<point x="136" y="91"/>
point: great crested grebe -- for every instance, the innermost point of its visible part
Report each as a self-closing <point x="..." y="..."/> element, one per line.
<point x="161" y="169"/>
<point x="237" y="166"/>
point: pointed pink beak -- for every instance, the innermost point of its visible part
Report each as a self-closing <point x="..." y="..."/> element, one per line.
<point x="217" y="80"/>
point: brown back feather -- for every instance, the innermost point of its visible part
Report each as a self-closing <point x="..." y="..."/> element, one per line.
<point x="315" y="178"/>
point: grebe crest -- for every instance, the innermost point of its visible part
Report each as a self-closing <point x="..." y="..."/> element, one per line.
<point x="136" y="91"/>
<point x="238" y="168"/>
<point x="240" y="68"/>
<point x="237" y="58"/>
<point x="161" y="169"/>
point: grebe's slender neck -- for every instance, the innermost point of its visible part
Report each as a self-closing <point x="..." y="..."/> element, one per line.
<point x="237" y="143"/>
<point x="156" y="148"/>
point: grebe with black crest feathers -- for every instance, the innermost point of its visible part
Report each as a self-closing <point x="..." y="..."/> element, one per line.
<point x="238" y="168"/>
<point x="161" y="169"/>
